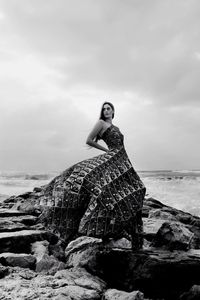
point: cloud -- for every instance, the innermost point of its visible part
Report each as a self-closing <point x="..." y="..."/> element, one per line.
<point x="60" y="60"/>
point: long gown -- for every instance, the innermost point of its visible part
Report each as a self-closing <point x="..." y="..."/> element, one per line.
<point x="100" y="197"/>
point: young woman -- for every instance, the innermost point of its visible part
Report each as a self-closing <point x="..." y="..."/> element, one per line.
<point x="101" y="196"/>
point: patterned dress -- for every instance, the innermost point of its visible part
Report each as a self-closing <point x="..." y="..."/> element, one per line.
<point x="100" y="197"/>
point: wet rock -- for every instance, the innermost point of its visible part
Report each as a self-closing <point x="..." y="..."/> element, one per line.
<point x="10" y="213"/>
<point x="122" y="243"/>
<point x="81" y="277"/>
<point x="28" y="220"/>
<point x="3" y="271"/>
<point x="66" y="284"/>
<point x="113" y="294"/>
<point x="159" y="274"/>
<point x="37" y="189"/>
<point x="28" y="206"/>
<point x="83" y="252"/>
<point x="151" y="227"/>
<point x="45" y="263"/>
<point x="22" y="260"/>
<point x="7" y="225"/>
<point x="173" y="236"/>
<point x="158" y="213"/>
<point x="20" y="241"/>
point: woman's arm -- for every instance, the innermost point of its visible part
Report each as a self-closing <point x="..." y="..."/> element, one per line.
<point x="97" y="128"/>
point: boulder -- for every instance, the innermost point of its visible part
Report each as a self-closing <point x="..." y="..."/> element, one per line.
<point x="74" y="284"/>
<point x="113" y="294"/>
<point x="151" y="227"/>
<point x="173" y="236"/>
<point x="22" y="260"/>
<point x="7" y="225"/>
<point x="45" y="263"/>
<point x="83" y="252"/>
<point x="20" y="241"/>
<point x="159" y="274"/>
<point x="3" y="271"/>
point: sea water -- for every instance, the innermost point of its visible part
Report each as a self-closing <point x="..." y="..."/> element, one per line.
<point x="180" y="189"/>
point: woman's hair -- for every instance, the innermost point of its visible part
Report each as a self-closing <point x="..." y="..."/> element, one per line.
<point x="102" y="117"/>
<point x="101" y="113"/>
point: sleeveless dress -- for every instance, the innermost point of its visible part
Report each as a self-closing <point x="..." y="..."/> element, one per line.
<point x="100" y="197"/>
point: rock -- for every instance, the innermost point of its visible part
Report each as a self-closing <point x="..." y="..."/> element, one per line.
<point x="37" y="189"/>
<point x="173" y="236"/>
<point x="122" y="243"/>
<point x="82" y="252"/>
<point x="159" y="274"/>
<point x="11" y="199"/>
<point x="57" y="250"/>
<point x="39" y="249"/>
<point x="22" y="260"/>
<point x="28" y="206"/>
<point x="192" y="294"/>
<point x="20" y="241"/>
<point x="151" y="227"/>
<point x="49" y="265"/>
<point x="7" y="225"/>
<point x="81" y="277"/>
<point x="158" y="213"/>
<point x="10" y="213"/>
<point x="45" y="263"/>
<point x="25" y="195"/>
<point x="113" y="294"/>
<point x="66" y="285"/>
<point x="3" y="271"/>
<point x="28" y="220"/>
<point x="153" y="203"/>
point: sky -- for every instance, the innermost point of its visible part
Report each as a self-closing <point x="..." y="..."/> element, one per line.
<point x="61" y="59"/>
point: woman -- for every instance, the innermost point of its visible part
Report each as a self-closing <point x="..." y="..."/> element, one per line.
<point x="101" y="196"/>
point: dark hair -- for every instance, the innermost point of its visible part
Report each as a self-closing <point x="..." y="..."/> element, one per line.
<point x="102" y="117"/>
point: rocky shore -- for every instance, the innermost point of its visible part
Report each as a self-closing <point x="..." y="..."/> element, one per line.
<point x="34" y="264"/>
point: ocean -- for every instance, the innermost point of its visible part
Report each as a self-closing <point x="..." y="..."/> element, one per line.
<point x="177" y="188"/>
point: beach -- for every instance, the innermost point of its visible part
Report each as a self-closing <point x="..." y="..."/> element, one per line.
<point x="177" y="188"/>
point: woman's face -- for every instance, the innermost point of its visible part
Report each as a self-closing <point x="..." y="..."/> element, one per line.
<point x="107" y="111"/>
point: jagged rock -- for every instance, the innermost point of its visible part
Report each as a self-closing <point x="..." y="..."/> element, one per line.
<point x="39" y="249"/>
<point x="173" y="236"/>
<point x="10" y="213"/>
<point x="66" y="284"/>
<point x="22" y="260"/>
<point x="82" y="252"/>
<point x="122" y="243"/>
<point x="28" y="206"/>
<point x="113" y="294"/>
<point x="153" y="203"/>
<point x="156" y="273"/>
<point x="81" y="277"/>
<point x="3" y="271"/>
<point x="7" y="225"/>
<point x="45" y="263"/>
<point x="11" y="199"/>
<point x="49" y="265"/>
<point x="20" y="241"/>
<point x="151" y="227"/>
<point x="28" y="220"/>
<point x="37" y="189"/>
<point x="57" y="250"/>
<point x="192" y="294"/>
<point x="158" y="213"/>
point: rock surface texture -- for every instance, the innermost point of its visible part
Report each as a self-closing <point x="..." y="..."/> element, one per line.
<point x="34" y="263"/>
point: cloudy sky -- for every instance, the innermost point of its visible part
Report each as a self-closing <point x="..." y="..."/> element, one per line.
<point x="61" y="59"/>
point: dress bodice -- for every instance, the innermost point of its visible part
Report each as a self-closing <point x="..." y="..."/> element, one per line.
<point x="113" y="137"/>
